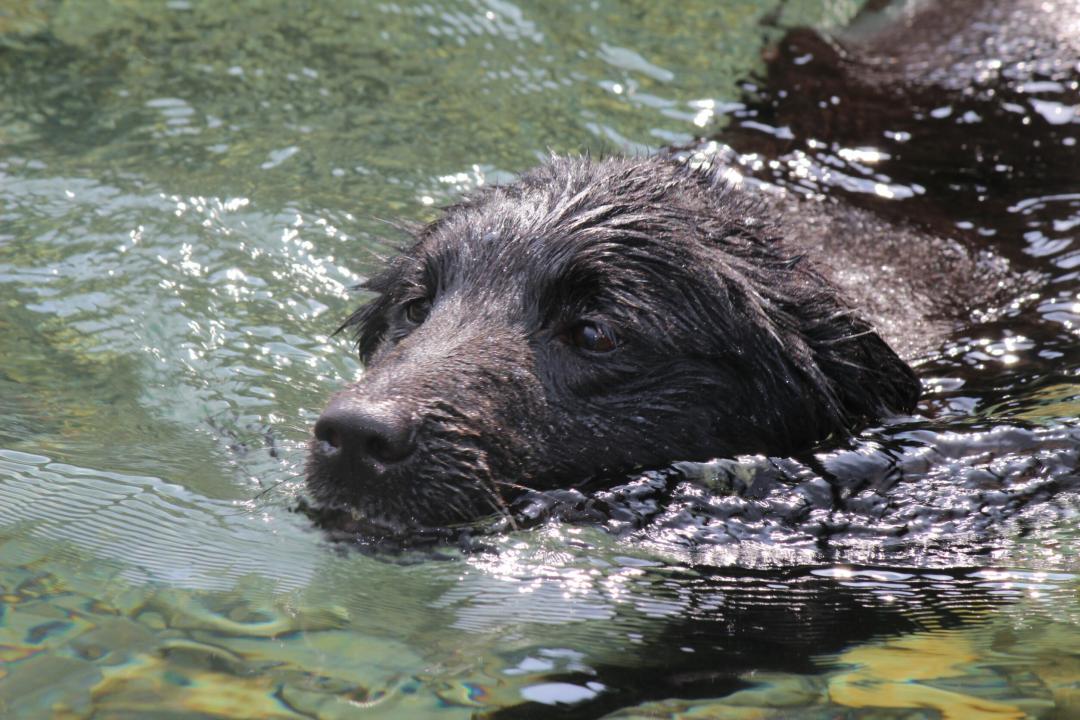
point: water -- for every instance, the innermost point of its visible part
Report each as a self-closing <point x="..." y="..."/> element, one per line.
<point x="187" y="191"/>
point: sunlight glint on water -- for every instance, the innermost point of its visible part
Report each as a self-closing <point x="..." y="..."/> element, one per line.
<point x="187" y="193"/>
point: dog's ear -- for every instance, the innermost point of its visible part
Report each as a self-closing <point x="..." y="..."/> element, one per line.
<point x="370" y="322"/>
<point x="858" y="374"/>
<point x="866" y="377"/>
<point x="835" y="371"/>
<point x="368" y="325"/>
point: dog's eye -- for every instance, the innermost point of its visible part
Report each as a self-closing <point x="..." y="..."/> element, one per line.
<point x="592" y="337"/>
<point x="416" y="311"/>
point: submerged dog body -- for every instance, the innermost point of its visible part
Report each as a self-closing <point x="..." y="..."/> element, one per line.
<point x="593" y="317"/>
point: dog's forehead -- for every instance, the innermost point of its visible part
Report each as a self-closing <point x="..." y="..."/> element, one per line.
<point x="546" y="233"/>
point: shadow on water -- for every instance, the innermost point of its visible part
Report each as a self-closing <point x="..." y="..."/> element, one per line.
<point x="736" y="630"/>
<point x="963" y="143"/>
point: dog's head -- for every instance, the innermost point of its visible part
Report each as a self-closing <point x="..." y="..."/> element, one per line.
<point x="591" y="318"/>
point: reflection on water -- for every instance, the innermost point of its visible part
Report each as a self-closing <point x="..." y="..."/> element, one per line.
<point x="187" y="191"/>
<point x="559" y="616"/>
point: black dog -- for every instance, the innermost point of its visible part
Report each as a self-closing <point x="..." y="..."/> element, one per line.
<point x="591" y="318"/>
<point x="599" y="316"/>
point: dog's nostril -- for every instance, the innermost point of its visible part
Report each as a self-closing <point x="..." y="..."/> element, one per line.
<point x="328" y="434"/>
<point x="375" y="432"/>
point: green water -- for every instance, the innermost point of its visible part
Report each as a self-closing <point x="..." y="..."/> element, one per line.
<point x="187" y="192"/>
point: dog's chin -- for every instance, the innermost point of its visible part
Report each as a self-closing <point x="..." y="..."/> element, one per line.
<point x="419" y="508"/>
<point x="367" y="527"/>
<point x="342" y="521"/>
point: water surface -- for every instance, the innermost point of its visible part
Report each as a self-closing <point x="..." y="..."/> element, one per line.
<point x="187" y="193"/>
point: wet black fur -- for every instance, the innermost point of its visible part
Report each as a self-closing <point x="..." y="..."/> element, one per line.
<point x="729" y="341"/>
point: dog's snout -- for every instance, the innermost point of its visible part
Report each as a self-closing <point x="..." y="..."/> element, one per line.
<point x="366" y="431"/>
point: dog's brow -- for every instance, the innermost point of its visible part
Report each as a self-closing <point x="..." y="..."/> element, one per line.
<point x="569" y="287"/>
<point x="439" y="265"/>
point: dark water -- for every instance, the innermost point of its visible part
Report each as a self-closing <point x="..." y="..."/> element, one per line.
<point x="187" y="190"/>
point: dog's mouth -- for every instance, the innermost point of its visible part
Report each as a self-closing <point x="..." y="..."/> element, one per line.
<point x="451" y="489"/>
<point x="406" y="521"/>
<point x="355" y="525"/>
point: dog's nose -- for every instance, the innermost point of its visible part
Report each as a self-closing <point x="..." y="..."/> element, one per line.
<point x="366" y="431"/>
